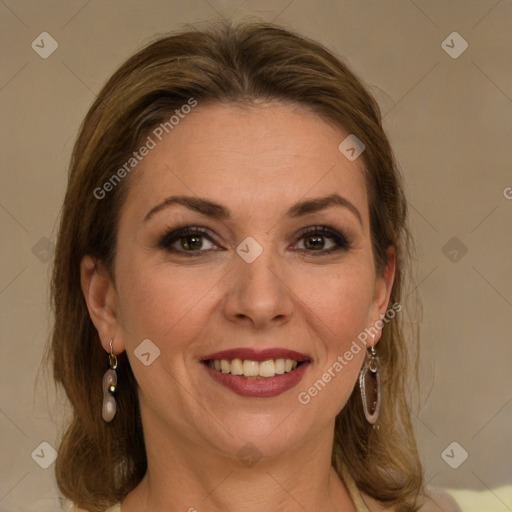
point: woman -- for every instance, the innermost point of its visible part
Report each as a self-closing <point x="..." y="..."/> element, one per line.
<point x="228" y="283"/>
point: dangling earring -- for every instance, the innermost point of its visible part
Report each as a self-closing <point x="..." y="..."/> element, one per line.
<point x="369" y="383"/>
<point x="109" y="408"/>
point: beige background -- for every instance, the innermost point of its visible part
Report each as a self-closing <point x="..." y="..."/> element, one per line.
<point x="450" y="122"/>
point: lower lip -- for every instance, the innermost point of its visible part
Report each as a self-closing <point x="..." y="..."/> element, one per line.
<point x="259" y="388"/>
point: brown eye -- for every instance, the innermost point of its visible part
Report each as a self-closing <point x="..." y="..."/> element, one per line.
<point x="321" y="240"/>
<point x="187" y="240"/>
<point x="314" y="242"/>
<point x="191" y="242"/>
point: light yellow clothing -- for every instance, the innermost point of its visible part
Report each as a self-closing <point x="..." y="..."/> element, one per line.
<point x="353" y="491"/>
<point x="349" y="482"/>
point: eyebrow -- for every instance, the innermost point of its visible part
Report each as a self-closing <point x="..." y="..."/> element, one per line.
<point x="220" y="212"/>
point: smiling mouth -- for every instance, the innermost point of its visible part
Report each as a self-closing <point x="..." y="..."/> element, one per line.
<point x="251" y="369"/>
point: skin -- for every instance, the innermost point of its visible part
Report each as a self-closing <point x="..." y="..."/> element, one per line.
<point x="257" y="161"/>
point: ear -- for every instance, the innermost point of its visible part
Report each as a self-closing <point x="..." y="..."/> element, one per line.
<point x="382" y="292"/>
<point x="101" y="298"/>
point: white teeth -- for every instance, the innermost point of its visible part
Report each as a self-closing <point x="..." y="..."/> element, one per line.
<point x="267" y="368"/>
<point x="225" y="366"/>
<point x="279" y="365"/>
<point x="237" y="367"/>
<point x="254" y="369"/>
<point x="251" y="368"/>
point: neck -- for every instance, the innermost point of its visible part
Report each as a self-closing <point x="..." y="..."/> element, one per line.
<point x="183" y="476"/>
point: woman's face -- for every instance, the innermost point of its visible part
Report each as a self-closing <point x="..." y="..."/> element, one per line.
<point x="226" y="244"/>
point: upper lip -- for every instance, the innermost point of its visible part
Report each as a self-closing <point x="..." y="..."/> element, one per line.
<point x="257" y="355"/>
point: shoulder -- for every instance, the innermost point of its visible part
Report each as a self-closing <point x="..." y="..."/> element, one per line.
<point x="439" y="501"/>
<point x="436" y="500"/>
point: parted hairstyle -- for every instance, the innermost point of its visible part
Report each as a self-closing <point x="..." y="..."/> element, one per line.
<point x="99" y="463"/>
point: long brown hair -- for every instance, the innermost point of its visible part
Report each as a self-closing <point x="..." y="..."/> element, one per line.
<point x="100" y="463"/>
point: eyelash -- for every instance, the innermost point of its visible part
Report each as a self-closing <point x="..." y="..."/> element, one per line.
<point x="167" y="240"/>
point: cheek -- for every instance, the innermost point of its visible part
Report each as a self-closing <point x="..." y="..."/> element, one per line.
<point x="163" y="303"/>
<point x="338" y="301"/>
<point x="168" y="303"/>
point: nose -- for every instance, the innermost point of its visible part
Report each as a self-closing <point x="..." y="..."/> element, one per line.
<point x="259" y="295"/>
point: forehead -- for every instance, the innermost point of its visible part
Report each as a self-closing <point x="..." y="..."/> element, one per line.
<point x="265" y="156"/>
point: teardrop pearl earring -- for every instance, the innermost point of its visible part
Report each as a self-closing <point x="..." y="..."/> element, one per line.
<point x="109" y="408"/>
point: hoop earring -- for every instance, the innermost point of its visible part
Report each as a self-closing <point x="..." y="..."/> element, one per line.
<point x="109" y="408"/>
<point x="369" y="384"/>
